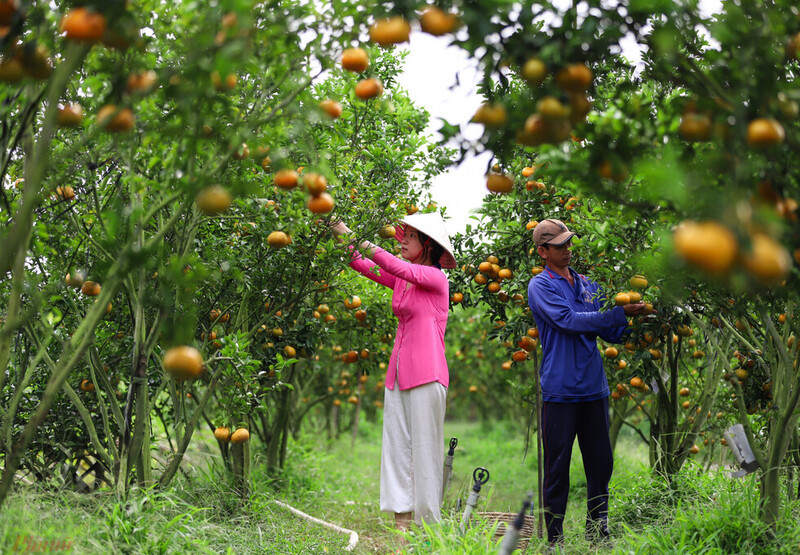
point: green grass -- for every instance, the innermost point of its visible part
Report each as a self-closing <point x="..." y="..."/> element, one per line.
<point x="338" y="482"/>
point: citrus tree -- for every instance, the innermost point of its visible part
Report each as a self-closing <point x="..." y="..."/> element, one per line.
<point x="696" y="147"/>
<point x="165" y="248"/>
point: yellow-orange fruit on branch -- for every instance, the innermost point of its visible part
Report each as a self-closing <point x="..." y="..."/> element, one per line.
<point x="499" y="183"/>
<point x="278" y="239"/>
<point x="84" y="25"/>
<point x="213" y="200"/>
<point x="115" y="120"/>
<point x="389" y="31"/>
<point x="355" y="59"/>
<point x="321" y="204"/>
<point x="437" y="22"/>
<point x="369" y="88"/>
<point x="708" y="245"/>
<point x="240" y="435"/>
<point x="183" y="362"/>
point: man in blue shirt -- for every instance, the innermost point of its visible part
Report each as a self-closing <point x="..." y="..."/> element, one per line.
<point x="566" y="307"/>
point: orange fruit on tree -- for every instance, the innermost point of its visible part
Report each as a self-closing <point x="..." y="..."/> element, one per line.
<point x="355" y="59"/>
<point x="695" y="127"/>
<point x="240" y="435"/>
<point x="494" y="287"/>
<point x="331" y="107"/>
<point x="768" y="261"/>
<point x="391" y="30"/>
<point x="7" y="10"/>
<point x="655" y="353"/>
<point x="456" y="298"/>
<point x="637" y="383"/>
<point x="499" y="183"/>
<point x="70" y="115"/>
<point x="242" y="152"/>
<point x="684" y="392"/>
<point x="526" y="343"/>
<point x="520" y="356"/>
<point x="579" y="108"/>
<point x="90" y="288"/>
<point x="321" y="204"/>
<point x="83" y="24"/>
<point x="534" y="71"/>
<point x="765" y="132"/>
<point x="222" y="433"/>
<point x="550" y="108"/>
<point x="369" y="88"/>
<point x="65" y="192"/>
<point x="575" y="78"/>
<point x="286" y="179"/>
<point x="213" y="200"/>
<point x="506" y="365"/>
<point x="115" y="120"/>
<point x="437" y="22"/>
<point x="87" y="385"/>
<point x="289" y="351"/>
<point x="614" y="172"/>
<point x="315" y="183"/>
<point x="35" y="61"/>
<point x="491" y="115"/>
<point x="75" y="279"/>
<point x="11" y="70"/>
<point x="505" y="273"/>
<point x="622" y="364"/>
<point x="278" y="239"/>
<point x="142" y="83"/>
<point x="387" y="231"/>
<point x="183" y="362"/>
<point x="611" y="352"/>
<point x="353" y="302"/>
<point x="224" y="85"/>
<point x="707" y="245"/>
<point x="528" y="171"/>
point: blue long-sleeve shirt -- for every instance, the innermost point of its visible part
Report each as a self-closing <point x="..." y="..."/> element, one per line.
<point x="569" y="322"/>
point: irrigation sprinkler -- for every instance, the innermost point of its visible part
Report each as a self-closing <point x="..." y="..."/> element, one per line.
<point x="511" y="537"/>
<point x="480" y="476"/>
<point x="447" y="472"/>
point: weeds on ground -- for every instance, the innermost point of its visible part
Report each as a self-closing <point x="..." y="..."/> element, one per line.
<point x="701" y="513"/>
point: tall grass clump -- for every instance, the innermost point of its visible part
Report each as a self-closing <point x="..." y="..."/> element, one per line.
<point x="701" y="513"/>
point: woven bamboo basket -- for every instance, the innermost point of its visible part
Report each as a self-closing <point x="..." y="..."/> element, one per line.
<point x="506" y="520"/>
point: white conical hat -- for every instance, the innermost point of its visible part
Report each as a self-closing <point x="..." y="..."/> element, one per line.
<point x="432" y="225"/>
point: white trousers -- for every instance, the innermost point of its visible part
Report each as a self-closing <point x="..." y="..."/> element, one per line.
<point x="412" y="454"/>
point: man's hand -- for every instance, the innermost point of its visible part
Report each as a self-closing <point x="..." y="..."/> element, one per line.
<point x="635" y="309"/>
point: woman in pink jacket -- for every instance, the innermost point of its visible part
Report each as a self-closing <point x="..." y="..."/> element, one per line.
<point x="412" y="453"/>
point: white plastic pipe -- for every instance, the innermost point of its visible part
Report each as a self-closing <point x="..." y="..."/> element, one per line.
<point x="353" y="535"/>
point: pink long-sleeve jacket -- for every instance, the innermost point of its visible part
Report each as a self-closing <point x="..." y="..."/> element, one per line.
<point x="421" y="303"/>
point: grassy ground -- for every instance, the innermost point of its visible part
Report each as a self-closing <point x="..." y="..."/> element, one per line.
<point x="338" y="482"/>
